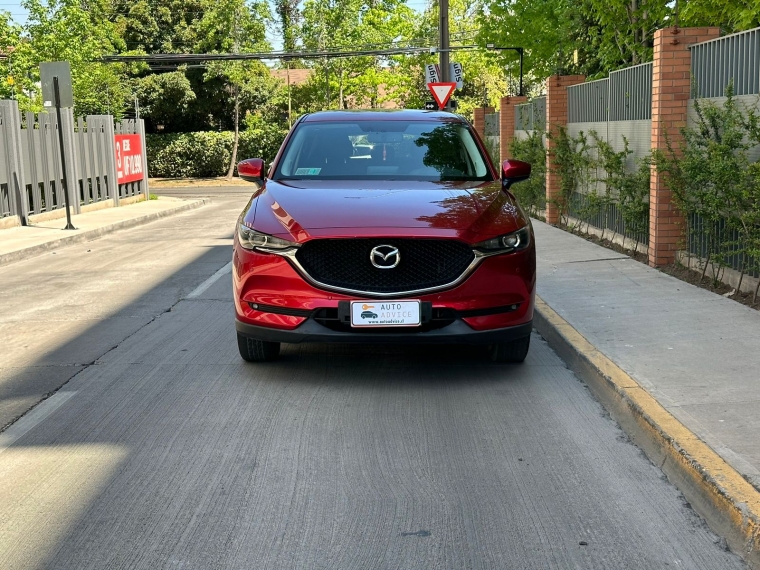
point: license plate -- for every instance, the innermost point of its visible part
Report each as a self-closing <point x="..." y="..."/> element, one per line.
<point x="385" y="313"/>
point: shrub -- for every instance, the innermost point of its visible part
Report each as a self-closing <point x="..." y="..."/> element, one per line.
<point x="208" y="154"/>
<point x="532" y="193"/>
<point x="188" y="155"/>
<point x="715" y="184"/>
<point x="573" y="163"/>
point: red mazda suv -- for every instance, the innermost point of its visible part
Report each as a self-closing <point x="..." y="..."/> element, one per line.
<point x="383" y="227"/>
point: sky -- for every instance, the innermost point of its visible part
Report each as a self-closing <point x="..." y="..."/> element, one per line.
<point x="18" y="13"/>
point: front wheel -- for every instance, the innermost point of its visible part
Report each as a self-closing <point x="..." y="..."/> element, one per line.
<point x="514" y="351"/>
<point x="252" y="350"/>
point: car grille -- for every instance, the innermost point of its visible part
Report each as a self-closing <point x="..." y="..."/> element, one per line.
<point x="345" y="263"/>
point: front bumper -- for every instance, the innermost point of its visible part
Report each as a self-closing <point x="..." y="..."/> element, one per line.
<point x="271" y="281"/>
<point x="455" y="333"/>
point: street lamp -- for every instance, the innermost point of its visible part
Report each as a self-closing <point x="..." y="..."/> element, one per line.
<point x="518" y="50"/>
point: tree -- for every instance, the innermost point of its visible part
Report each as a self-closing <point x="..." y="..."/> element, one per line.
<point x="234" y="26"/>
<point x="287" y="12"/>
<point x="62" y="30"/>
<point x="158" y="26"/>
<point x="605" y="34"/>
<point x="730" y="15"/>
<point x="165" y="98"/>
<point x="10" y="36"/>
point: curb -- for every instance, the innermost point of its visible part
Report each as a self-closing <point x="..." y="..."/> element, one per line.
<point x="90" y="235"/>
<point x="729" y="504"/>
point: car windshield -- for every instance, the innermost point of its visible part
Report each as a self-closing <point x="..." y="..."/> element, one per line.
<point x="383" y="150"/>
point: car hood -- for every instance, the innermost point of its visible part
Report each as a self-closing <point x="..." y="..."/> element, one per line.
<point x="303" y="209"/>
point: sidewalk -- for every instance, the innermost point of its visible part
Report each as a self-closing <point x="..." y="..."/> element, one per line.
<point x="19" y="243"/>
<point x="696" y="353"/>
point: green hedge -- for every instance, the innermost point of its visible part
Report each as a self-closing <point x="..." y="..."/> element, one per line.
<point x="207" y="154"/>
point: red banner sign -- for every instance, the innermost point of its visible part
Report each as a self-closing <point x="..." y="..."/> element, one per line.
<point x="129" y="160"/>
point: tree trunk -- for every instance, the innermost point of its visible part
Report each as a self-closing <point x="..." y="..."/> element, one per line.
<point x="233" y="159"/>
<point x="341" y="104"/>
<point x="741" y="277"/>
<point x="704" y="269"/>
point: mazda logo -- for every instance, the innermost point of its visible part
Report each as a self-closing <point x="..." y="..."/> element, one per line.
<point x="385" y="256"/>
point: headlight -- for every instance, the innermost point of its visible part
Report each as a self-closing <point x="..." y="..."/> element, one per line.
<point x="515" y="241"/>
<point x="251" y="239"/>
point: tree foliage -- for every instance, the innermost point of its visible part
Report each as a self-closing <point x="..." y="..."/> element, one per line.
<point x="559" y="36"/>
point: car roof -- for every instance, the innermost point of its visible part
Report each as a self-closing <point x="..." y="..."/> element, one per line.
<point x="382" y="115"/>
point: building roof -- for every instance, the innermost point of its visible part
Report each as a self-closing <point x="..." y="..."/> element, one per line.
<point x="297" y="76"/>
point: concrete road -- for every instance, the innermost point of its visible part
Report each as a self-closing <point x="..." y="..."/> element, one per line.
<point x="165" y="450"/>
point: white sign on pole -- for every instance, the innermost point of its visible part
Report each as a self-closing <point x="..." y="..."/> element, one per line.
<point x="431" y="73"/>
<point x="457" y="75"/>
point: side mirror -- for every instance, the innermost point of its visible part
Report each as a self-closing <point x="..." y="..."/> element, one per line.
<point x="514" y="171"/>
<point x="251" y="170"/>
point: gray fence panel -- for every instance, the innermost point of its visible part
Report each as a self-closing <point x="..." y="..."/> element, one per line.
<point x="31" y="171"/>
<point x="531" y="116"/>
<point x="48" y="168"/>
<point x="492" y="125"/>
<point x="15" y="199"/>
<point x="84" y="163"/>
<point x="630" y="93"/>
<point x="524" y="117"/>
<point x="6" y="197"/>
<point x="71" y="151"/>
<point x="715" y="63"/>
<point x="106" y="132"/>
<point x="140" y="126"/>
<point x="539" y="113"/>
<point x="588" y="102"/>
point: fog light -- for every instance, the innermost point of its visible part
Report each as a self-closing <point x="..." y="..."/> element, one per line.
<point x="253" y="306"/>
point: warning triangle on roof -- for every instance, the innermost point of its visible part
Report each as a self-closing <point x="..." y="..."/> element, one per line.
<point x="442" y="92"/>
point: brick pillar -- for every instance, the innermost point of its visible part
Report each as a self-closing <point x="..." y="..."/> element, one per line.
<point x="556" y="116"/>
<point x="507" y="123"/>
<point x="479" y="120"/>
<point x="671" y="85"/>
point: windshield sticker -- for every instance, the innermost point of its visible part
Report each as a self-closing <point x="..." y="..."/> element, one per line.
<point x="308" y="171"/>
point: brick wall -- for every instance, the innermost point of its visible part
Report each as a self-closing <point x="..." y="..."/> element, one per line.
<point x="556" y="116"/>
<point x="671" y="85"/>
<point x="507" y="123"/>
<point x="479" y="119"/>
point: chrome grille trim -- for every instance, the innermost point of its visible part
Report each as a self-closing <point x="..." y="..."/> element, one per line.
<point x="290" y="255"/>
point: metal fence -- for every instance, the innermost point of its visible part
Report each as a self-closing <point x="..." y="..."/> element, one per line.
<point x="626" y="95"/>
<point x="630" y="93"/>
<point x="606" y="217"/>
<point x="720" y="244"/>
<point x="492" y="124"/>
<point x="588" y="102"/>
<point x="531" y="116"/>
<point x="716" y="63"/>
<point x="31" y="173"/>
<point x="10" y="162"/>
<point x="617" y="109"/>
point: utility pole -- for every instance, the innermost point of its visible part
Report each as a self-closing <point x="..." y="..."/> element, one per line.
<point x="290" y="106"/>
<point x="443" y="38"/>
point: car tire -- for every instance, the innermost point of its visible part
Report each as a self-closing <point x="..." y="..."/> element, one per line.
<point x="252" y="350"/>
<point x="514" y="351"/>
